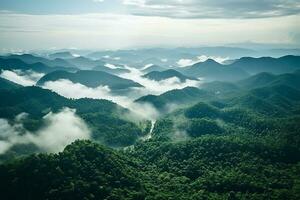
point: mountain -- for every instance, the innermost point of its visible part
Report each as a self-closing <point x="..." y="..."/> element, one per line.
<point x="6" y="84"/>
<point x="106" y="119"/>
<point x="31" y="59"/>
<point x="153" y="68"/>
<point x="175" y="98"/>
<point x="220" y="88"/>
<point x="91" y="79"/>
<point x="17" y="64"/>
<point x="115" y="71"/>
<point x="257" y="80"/>
<point x="242" y="67"/>
<point x="272" y="100"/>
<point x="267" y="79"/>
<point x="163" y="75"/>
<point x="62" y="55"/>
<point x="85" y="63"/>
<point x="104" y="174"/>
<point x="280" y="65"/>
<point x="212" y="70"/>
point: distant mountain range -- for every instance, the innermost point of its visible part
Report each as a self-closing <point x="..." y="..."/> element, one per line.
<point x="212" y="70"/>
<point x="267" y="64"/>
<point x="31" y="59"/>
<point x="242" y="68"/>
<point x="62" y="55"/>
<point x="18" y="64"/>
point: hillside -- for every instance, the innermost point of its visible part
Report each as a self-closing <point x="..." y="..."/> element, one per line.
<point x="90" y="78"/>
<point x="17" y="64"/>
<point x="280" y="65"/>
<point x="106" y="119"/>
<point x="176" y="98"/>
<point x="31" y="59"/>
<point x="115" y="71"/>
<point x="163" y="75"/>
<point x="109" y="175"/>
<point x="211" y="70"/>
<point x="85" y="63"/>
<point x="62" y="55"/>
<point x="6" y="84"/>
<point x="266" y="79"/>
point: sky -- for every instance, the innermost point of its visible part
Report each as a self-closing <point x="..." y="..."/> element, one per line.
<point x="123" y="24"/>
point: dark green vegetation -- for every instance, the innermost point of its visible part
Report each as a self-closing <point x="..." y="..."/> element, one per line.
<point x="164" y="102"/>
<point x="237" y="140"/>
<point x="163" y="75"/>
<point x="5" y="84"/>
<point x="107" y="121"/>
<point x="211" y="70"/>
<point x="281" y="89"/>
<point x="90" y="79"/>
<point x="93" y="172"/>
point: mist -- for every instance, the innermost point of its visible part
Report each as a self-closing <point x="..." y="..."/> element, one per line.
<point x="24" y="78"/>
<point x="157" y="87"/>
<point x="60" y="129"/>
<point x="188" y="62"/>
<point x="69" y="89"/>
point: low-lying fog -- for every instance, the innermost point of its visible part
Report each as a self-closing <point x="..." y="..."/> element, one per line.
<point x="69" y="89"/>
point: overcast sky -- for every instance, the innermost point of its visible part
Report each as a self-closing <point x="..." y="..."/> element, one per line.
<point x="114" y="24"/>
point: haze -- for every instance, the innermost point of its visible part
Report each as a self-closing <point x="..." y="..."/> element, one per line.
<point x="121" y="24"/>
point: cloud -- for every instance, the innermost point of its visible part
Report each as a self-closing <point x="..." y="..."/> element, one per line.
<point x="101" y="31"/>
<point x="69" y="89"/>
<point x="25" y="78"/>
<point x="185" y="62"/>
<point x="157" y="87"/>
<point x="202" y="58"/>
<point x="60" y="130"/>
<point x="214" y="8"/>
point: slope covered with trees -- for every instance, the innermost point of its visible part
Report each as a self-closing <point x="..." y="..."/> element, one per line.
<point x="90" y="78"/>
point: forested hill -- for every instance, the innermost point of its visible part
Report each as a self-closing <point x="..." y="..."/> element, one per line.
<point x="90" y="78"/>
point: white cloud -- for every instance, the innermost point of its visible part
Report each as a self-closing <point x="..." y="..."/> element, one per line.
<point x="111" y="66"/>
<point x="147" y="66"/>
<point x="60" y="130"/>
<point x="102" y="31"/>
<point x="69" y="89"/>
<point x="185" y="62"/>
<point x="202" y="58"/>
<point x="25" y="78"/>
<point x="76" y="90"/>
<point x="214" y="8"/>
<point x="156" y="87"/>
<point x="218" y="59"/>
